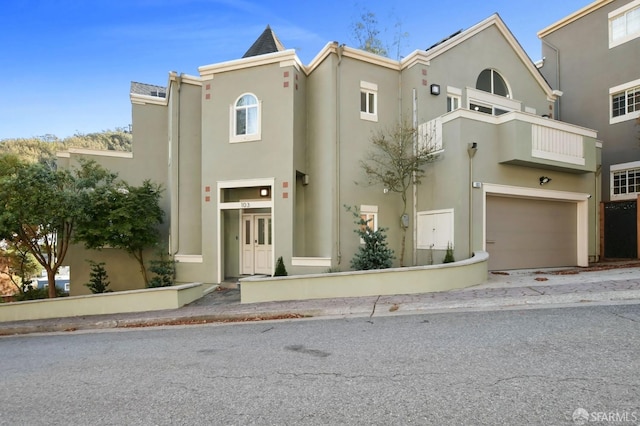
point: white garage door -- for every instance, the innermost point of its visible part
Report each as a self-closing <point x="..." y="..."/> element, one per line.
<point x="525" y="233"/>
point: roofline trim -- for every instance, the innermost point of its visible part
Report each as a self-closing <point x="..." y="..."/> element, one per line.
<point x="573" y="17"/>
<point x="207" y="71"/>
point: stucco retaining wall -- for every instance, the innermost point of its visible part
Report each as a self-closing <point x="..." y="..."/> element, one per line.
<point x="154" y="299"/>
<point x="417" y="279"/>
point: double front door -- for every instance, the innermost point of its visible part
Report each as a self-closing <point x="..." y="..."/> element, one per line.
<point x="256" y="244"/>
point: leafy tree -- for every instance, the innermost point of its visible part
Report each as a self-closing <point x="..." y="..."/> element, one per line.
<point x="98" y="278"/>
<point x="367" y="34"/>
<point x="18" y="264"/>
<point x="122" y="216"/>
<point x="448" y="257"/>
<point x="375" y="252"/>
<point x="396" y="162"/>
<point x="40" y="207"/>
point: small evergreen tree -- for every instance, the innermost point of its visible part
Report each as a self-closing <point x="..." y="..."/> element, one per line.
<point x="375" y="252"/>
<point x="98" y="282"/>
<point x="448" y="257"/>
<point x="165" y="270"/>
<point x="281" y="271"/>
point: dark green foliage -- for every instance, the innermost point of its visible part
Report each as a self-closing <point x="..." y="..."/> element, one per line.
<point x="375" y="252"/>
<point x="42" y="219"/>
<point x="448" y="257"/>
<point x="164" y="270"/>
<point x="122" y="216"/>
<point x="98" y="282"/>
<point x="31" y="293"/>
<point x="281" y="271"/>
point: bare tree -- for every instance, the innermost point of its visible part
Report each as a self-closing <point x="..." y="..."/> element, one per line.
<point x="397" y="161"/>
<point x="367" y="34"/>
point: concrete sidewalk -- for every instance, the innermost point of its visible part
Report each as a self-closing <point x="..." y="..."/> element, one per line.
<point x="601" y="284"/>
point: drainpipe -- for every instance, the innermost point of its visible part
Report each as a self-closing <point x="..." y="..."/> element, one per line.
<point x="471" y="150"/>
<point x="339" y="50"/>
<point x="557" y="75"/>
<point x="175" y="176"/>
<point x="414" y="186"/>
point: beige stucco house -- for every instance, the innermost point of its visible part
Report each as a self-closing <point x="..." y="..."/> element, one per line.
<point x="259" y="156"/>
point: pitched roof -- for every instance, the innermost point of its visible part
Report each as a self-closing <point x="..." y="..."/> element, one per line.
<point x="148" y="89"/>
<point x="267" y="43"/>
<point x="573" y="17"/>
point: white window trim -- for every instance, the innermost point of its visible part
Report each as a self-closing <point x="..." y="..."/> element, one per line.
<point x="454" y="93"/>
<point x="618" y="168"/>
<point x="615" y="90"/>
<point x="616" y="14"/>
<point x="368" y="88"/>
<point x="235" y="138"/>
<point x="370" y="210"/>
<point x="492" y="101"/>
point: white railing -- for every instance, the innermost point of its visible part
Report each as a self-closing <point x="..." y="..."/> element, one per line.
<point x="430" y="135"/>
<point x="558" y="145"/>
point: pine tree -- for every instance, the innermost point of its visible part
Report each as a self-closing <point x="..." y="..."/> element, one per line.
<point x="375" y="252"/>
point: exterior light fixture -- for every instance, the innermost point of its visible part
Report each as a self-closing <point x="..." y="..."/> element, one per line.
<point x="264" y="192"/>
<point x="472" y="149"/>
<point x="544" y="180"/>
<point x="435" y="89"/>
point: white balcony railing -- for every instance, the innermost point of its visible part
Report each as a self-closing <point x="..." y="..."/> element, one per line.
<point x="554" y="144"/>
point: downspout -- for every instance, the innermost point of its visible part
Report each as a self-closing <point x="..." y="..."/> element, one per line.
<point x="597" y="197"/>
<point x="337" y="155"/>
<point x="175" y="184"/>
<point x="471" y="150"/>
<point x="414" y="186"/>
<point x="557" y="75"/>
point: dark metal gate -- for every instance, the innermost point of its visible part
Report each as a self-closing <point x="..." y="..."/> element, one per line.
<point x="621" y="230"/>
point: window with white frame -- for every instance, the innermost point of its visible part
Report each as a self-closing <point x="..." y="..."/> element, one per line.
<point x="454" y="98"/>
<point x="368" y="101"/>
<point x="624" y="24"/>
<point x="625" y="102"/>
<point x="435" y="229"/>
<point x="369" y="214"/>
<point x="491" y="81"/>
<point x="625" y="180"/>
<point x="245" y="119"/>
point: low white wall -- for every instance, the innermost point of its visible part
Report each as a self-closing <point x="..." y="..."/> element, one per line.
<point x="417" y="279"/>
<point x="152" y="299"/>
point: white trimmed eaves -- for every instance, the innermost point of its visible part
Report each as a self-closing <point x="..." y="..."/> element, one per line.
<point x="417" y="57"/>
<point x="509" y="37"/>
<point x="329" y="48"/>
<point x="573" y="17"/>
<point x="138" y="99"/>
<point x="208" y="71"/>
<point x="95" y="152"/>
<point x="371" y="58"/>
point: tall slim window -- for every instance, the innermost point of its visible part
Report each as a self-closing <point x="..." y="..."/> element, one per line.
<point x="246" y="119"/>
<point x="368" y="101"/>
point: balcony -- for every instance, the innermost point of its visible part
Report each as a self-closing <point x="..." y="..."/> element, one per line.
<point x="528" y="140"/>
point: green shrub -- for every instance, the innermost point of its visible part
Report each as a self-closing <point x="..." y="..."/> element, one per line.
<point x="281" y="271"/>
<point x="98" y="282"/>
<point x="448" y="257"/>
<point x="38" y="293"/>
<point x="164" y="270"/>
<point x="375" y="252"/>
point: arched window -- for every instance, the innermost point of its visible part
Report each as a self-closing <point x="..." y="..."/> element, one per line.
<point x="245" y="119"/>
<point x="491" y="81"/>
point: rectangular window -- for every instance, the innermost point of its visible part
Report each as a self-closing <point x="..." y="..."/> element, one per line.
<point x="624" y="24"/>
<point x="625" y="180"/>
<point x="370" y="215"/>
<point x="625" y="102"/>
<point x="368" y="101"/>
<point x="453" y="103"/>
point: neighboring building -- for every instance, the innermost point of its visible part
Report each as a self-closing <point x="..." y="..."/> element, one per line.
<point x="260" y="155"/>
<point x="593" y="57"/>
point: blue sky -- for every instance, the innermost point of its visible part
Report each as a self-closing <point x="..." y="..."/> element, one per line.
<point x="67" y="64"/>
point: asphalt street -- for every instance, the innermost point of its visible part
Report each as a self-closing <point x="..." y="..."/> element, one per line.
<point x="534" y="366"/>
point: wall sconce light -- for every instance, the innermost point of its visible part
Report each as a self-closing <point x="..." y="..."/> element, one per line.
<point x="264" y="192"/>
<point x="435" y="89"/>
<point x="544" y="180"/>
<point x="473" y="147"/>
